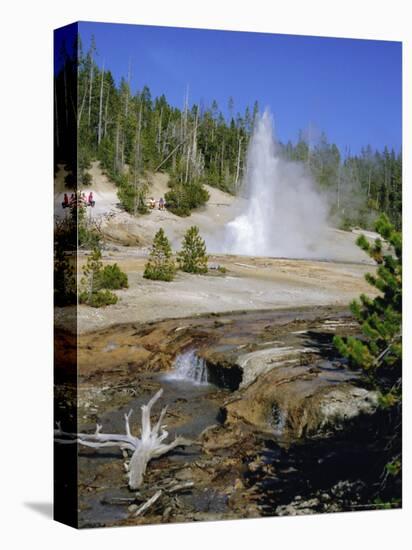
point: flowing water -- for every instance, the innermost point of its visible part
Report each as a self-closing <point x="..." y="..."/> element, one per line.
<point x="283" y="214"/>
<point x="188" y="366"/>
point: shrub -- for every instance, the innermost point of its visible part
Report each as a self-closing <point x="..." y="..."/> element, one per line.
<point x="193" y="258"/>
<point x="112" y="277"/>
<point x="97" y="281"/>
<point x="132" y="197"/>
<point x="99" y="298"/>
<point x="127" y="197"/>
<point x="87" y="235"/>
<point x="86" y="179"/>
<point x="183" y="198"/>
<point x="160" y="266"/>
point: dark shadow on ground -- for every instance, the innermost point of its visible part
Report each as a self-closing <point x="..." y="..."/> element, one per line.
<point x="323" y="342"/>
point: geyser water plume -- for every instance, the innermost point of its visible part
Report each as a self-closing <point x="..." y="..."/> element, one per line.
<point x="283" y="213"/>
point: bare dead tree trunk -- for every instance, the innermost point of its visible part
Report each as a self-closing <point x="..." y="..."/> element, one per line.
<point x="116" y="154"/>
<point x="91" y="286"/>
<point x="238" y="161"/>
<point x="159" y="132"/>
<point x="106" y="112"/>
<point x="99" y="131"/>
<point x="186" y="149"/>
<point x="338" y="201"/>
<point x="222" y="158"/>
<point x="126" y="110"/>
<point x="90" y="90"/>
<point x="369" y="181"/>
<point x="149" y="445"/>
<point x="194" y="155"/>
<point x="171" y="153"/>
<point x="187" y="164"/>
<point x="79" y="116"/>
<point x="137" y="155"/>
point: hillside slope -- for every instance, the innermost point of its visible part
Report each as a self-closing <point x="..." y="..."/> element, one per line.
<point x="122" y="228"/>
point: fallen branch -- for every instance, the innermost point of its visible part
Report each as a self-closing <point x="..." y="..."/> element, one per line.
<point x="142" y="509"/>
<point x="149" y="445"/>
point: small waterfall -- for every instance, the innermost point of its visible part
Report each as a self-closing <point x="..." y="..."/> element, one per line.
<point x="188" y="366"/>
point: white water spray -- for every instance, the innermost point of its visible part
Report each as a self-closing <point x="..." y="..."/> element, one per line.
<point x="283" y="213"/>
<point x="188" y="366"/>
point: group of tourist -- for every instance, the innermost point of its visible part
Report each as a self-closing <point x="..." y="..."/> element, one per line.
<point x="161" y="203"/>
<point x="78" y="199"/>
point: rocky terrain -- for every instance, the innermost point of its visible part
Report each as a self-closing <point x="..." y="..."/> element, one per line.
<point x="283" y="426"/>
<point x="278" y="404"/>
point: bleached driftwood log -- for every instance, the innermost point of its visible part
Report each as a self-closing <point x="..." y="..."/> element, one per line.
<point x="149" y="445"/>
<point x="148" y="504"/>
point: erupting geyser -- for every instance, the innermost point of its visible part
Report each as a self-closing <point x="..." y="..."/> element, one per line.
<point x="283" y="214"/>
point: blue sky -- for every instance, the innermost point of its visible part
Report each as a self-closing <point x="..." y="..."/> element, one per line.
<point x="351" y="89"/>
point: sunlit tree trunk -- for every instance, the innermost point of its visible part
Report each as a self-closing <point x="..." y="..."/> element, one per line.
<point x="99" y="131"/>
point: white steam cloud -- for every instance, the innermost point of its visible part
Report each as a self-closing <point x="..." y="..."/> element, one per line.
<point x="283" y="214"/>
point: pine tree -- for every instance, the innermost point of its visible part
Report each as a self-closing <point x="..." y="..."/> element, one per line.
<point x="132" y="133"/>
<point x="379" y="353"/>
<point x="193" y="258"/>
<point x="91" y="272"/>
<point x="160" y="266"/>
<point x="93" y="294"/>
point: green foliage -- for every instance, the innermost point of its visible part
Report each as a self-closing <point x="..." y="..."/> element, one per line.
<point x="387" y="504"/>
<point x="183" y="198"/>
<point x="100" y="298"/>
<point x="65" y="292"/>
<point x="394" y="467"/>
<point x="140" y="132"/>
<point x="135" y="132"/>
<point x="127" y="197"/>
<point x="193" y="257"/>
<point x="379" y="353"/>
<point x="363" y="185"/>
<point x="131" y="196"/>
<point x="86" y="179"/>
<point x="160" y="266"/>
<point x="65" y="254"/>
<point x="113" y="278"/>
<point x="91" y="273"/>
<point x="88" y="236"/>
<point x="97" y="281"/>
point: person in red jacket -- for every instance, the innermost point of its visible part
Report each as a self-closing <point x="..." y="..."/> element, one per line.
<point x="90" y="200"/>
